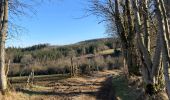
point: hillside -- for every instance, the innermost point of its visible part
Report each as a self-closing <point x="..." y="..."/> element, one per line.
<point x="50" y="59"/>
<point x="109" y="42"/>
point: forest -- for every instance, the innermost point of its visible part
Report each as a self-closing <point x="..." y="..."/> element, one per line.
<point x="46" y="59"/>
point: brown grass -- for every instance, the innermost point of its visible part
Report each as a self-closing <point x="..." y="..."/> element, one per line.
<point x="14" y="96"/>
<point x="76" y="88"/>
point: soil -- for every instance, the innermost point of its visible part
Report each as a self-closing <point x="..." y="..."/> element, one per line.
<point x="97" y="86"/>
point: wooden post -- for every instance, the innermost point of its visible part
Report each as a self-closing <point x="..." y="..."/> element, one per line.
<point x="71" y="67"/>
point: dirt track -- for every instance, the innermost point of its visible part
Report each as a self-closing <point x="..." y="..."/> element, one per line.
<point x="93" y="87"/>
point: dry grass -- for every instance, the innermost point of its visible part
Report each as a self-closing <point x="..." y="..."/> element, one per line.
<point x="77" y="88"/>
<point x="24" y="96"/>
<point x="14" y="96"/>
<point x="52" y="88"/>
<point x="109" y="51"/>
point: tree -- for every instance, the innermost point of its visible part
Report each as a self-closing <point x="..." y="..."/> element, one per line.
<point x="152" y="67"/>
<point x="162" y="30"/>
<point x="149" y="68"/>
<point x="135" y="26"/>
<point x="6" y="6"/>
<point x="3" y="35"/>
<point x="167" y="3"/>
<point x="122" y="22"/>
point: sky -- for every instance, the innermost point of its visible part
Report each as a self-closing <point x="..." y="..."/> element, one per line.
<point x="58" y="23"/>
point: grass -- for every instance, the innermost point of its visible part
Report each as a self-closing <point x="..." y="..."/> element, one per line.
<point x="123" y="90"/>
<point x="49" y="90"/>
<point x="23" y="79"/>
<point x="37" y="76"/>
<point x="65" y="89"/>
<point x="109" y="51"/>
<point x="38" y="87"/>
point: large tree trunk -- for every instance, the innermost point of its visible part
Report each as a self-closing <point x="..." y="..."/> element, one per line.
<point x="164" y="43"/>
<point x="3" y="33"/>
<point x="156" y="60"/>
<point x="131" y="56"/>
<point x="167" y="3"/>
<point x="167" y="7"/>
<point x="149" y="69"/>
<point x="157" y="52"/>
<point x="146" y="25"/>
<point x="125" y="64"/>
<point x="121" y="34"/>
<point x="127" y="37"/>
<point x="165" y="18"/>
<point x="141" y="47"/>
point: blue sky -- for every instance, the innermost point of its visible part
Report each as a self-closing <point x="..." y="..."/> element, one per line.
<point x="58" y="23"/>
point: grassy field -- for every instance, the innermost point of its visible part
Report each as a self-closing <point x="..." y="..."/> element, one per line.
<point x="64" y="87"/>
<point x="23" y="79"/>
<point x="60" y="87"/>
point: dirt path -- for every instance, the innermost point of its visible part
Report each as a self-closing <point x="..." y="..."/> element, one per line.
<point x="95" y="87"/>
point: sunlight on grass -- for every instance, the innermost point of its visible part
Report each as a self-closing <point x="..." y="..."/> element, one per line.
<point x="38" y="87"/>
<point x="109" y="51"/>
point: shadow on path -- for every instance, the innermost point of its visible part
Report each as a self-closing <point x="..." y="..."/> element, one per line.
<point x="106" y="92"/>
<point x="31" y="92"/>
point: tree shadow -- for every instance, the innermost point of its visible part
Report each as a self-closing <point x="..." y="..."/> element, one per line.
<point x="48" y="93"/>
<point x="24" y="79"/>
<point x="106" y="92"/>
<point x="127" y="89"/>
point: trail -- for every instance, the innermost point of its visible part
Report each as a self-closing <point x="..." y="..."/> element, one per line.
<point x="94" y="87"/>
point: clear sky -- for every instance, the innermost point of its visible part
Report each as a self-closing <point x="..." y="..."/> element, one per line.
<point x="58" y="23"/>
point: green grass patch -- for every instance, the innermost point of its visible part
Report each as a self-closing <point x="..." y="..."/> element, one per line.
<point x="123" y="91"/>
<point x="109" y="51"/>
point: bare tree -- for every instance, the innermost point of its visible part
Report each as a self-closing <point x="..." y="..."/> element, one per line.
<point x="7" y="9"/>
<point x="162" y="30"/>
<point x="118" y="15"/>
<point x="3" y="35"/>
<point x="135" y="22"/>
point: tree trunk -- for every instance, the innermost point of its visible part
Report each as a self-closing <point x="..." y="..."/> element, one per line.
<point x="141" y="47"/>
<point x="132" y="65"/>
<point x="145" y="56"/>
<point x="125" y="64"/>
<point x="156" y="60"/>
<point x="165" y="18"/>
<point x="146" y="25"/>
<point x="71" y="67"/>
<point x="164" y="43"/>
<point x="167" y="3"/>
<point x="127" y="41"/>
<point x="3" y="33"/>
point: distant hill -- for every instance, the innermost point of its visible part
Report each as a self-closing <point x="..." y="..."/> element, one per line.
<point x="55" y="52"/>
<point x="86" y="42"/>
<point x="48" y="59"/>
<point x="97" y="40"/>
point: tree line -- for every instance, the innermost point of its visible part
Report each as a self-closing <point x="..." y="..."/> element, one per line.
<point x="47" y="59"/>
<point x="143" y="29"/>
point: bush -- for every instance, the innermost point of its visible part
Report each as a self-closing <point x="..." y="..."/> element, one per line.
<point x="84" y="69"/>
